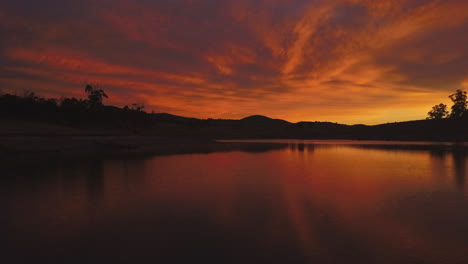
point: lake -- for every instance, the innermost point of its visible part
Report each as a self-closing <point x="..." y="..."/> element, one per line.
<point x="288" y="201"/>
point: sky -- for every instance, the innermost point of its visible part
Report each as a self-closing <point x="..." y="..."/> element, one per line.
<point x="346" y="61"/>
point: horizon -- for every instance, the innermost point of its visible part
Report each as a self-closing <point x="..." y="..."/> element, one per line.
<point x="230" y="119"/>
<point x="350" y="62"/>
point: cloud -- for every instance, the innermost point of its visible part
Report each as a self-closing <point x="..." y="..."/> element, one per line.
<point x="347" y="61"/>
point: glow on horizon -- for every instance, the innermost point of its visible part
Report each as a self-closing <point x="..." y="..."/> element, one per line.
<point x="345" y="61"/>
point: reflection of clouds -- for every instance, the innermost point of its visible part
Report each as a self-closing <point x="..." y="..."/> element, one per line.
<point x="341" y="204"/>
<point x="438" y="153"/>
<point x="293" y="58"/>
<point x="459" y="166"/>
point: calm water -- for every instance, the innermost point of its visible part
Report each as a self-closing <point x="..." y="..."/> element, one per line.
<point x="303" y="202"/>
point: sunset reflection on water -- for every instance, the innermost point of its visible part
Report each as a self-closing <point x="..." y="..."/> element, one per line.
<point x="305" y="202"/>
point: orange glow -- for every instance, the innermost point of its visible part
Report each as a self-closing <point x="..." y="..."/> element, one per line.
<point x="352" y="61"/>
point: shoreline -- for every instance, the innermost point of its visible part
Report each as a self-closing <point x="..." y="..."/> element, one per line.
<point x="28" y="139"/>
<point x="64" y="147"/>
<point x="112" y="146"/>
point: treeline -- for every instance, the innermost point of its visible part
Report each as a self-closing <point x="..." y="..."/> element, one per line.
<point x="89" y="112"/>
<point x="458" y="110"/>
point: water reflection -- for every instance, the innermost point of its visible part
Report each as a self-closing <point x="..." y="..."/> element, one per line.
<point x="459" y="165"/>
<point x="288" y="202"/>
<point x="94" y="180"/>
<point x="438" y="153"/>
<point x="301" y="147"/>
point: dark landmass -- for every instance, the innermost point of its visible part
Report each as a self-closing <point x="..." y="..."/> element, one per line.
<point x="31" y="125"/>
<point x="257" y="127"/>
<point x="254" y="127"/>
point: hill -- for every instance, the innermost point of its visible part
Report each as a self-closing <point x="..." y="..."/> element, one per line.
<point x="262" y="127"/>
<point x="263" y="120"/>
<point x="24" y="115"/>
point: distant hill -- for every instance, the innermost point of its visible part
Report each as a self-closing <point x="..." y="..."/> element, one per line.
<point x="263" y="120"/>
<point x="77" y="115"/>
<point x="258" y="126"/>
<point x="175" y="118"/>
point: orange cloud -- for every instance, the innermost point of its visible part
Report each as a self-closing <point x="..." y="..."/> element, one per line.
<point x="352" y="61"/>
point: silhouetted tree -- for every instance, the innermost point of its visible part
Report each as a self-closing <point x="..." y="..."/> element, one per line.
<point x="135" y="107"/>
<point x="95" y="96"/>
<point x="459" y="104"/>
<point x="72" y="104"/>
<point x="30" y="96"/>
<point x="438" y="112"/>
<point x="138" y="107"/>
<point x="88" y="112"/>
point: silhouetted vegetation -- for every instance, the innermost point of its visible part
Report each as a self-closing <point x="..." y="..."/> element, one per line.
<point x="459" y="107"/>
<point x="438" y="112"/>
<point x="91" y="114"/>
<point x="95" y="97"/>
<point x="80" y="113"/>
<point x="459" y="104"/>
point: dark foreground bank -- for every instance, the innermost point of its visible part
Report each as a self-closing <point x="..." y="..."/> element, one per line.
<point x="47" y="142"/>
<point x="30" y="113"/>
<point x="20" y="138"/>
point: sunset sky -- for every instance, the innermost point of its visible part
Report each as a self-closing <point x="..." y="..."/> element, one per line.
<point x="346" y="61"/>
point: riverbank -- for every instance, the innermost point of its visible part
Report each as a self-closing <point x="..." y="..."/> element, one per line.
<point x="24" y="138"/>
<point x="62" y="147"/>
